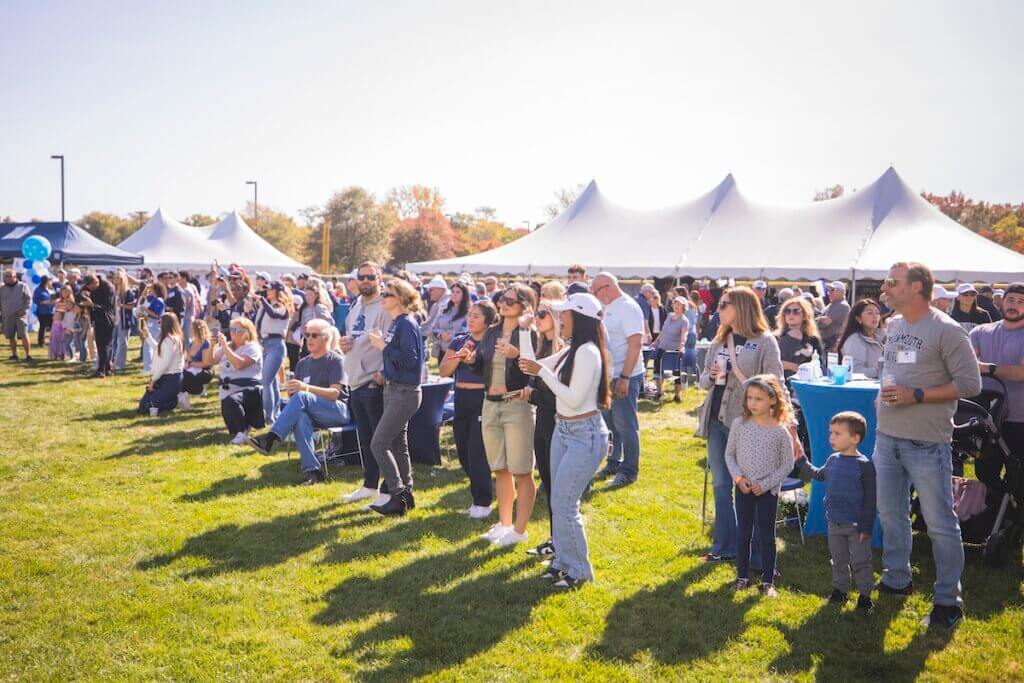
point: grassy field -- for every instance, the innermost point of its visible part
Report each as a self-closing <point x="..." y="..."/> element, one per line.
<point x="136" y="548"/>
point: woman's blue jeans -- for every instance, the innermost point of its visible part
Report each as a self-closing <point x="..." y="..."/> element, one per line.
<point x="273" y="356"/>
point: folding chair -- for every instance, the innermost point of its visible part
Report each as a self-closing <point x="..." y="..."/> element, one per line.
<point x="322" y="438"/>
<point x="789" y="484"/>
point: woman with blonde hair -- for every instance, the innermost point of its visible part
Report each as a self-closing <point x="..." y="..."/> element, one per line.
<point x="798" y="336"/>
<point x="167" y="363"/>
<point x="127" y="298"/>
<point x="198" y="364"/>
<point x="402" y="348"/>
<point x="742" y="348"/>
<point x="240" y="360"/>
<point x="552" y="290"/>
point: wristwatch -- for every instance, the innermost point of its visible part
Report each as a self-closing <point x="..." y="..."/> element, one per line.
<point x="992" y="369"/>
<point x="919" y="395"/>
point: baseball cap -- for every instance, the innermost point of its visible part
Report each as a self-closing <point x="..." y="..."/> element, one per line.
<point x="647" y="287"/>
<point x="437" y="282"/>
<point x="75" y="271"/>
<point x="839" y="285"/>
<point x="965" y="288"/>
<point x="760" y="284"/>
<point x="277" y="286"/>
<point x="584" y="304"/>
<point x="263" y="275"/>
<point x="1001" y="292"/>
<point x="940" y="293"/>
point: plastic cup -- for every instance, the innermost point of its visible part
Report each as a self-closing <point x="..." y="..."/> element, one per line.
<point x="839" y="374"/>
<point x="888" y="380"/>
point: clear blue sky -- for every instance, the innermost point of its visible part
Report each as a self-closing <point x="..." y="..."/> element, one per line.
<point x="499" y="103"/>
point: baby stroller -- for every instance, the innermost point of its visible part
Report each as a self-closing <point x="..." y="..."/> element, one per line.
<point x="977" y="437"/>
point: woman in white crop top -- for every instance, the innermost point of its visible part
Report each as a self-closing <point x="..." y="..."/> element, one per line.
<point x="578" y="377"/>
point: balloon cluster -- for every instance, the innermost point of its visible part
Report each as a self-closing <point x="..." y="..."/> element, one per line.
<point x="36" y="250"/>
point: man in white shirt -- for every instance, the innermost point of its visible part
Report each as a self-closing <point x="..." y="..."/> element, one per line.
<point x="624" y="325"/>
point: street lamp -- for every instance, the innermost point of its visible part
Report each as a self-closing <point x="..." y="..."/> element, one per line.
<point x="61" y="157"/>
<point x="527" y="225"/>
<point x="255" y="204"/>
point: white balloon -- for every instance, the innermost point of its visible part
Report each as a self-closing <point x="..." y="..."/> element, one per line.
<point x="40" y="267"/>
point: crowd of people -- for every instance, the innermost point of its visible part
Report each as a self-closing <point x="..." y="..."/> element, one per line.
<point x="548" y="375"/>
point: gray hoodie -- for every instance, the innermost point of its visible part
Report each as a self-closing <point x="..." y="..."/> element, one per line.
<point x="15" y="300"/>
<point x="363" y="360"/>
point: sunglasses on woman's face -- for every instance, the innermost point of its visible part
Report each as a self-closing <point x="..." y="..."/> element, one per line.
<point x="793" y="311"/>
<point x="237" y="330"/>
<point x="723" y="304"/>
<point x="508" y="301"/>
<point x="312" y="335"/>
<point x="541" y="315"/>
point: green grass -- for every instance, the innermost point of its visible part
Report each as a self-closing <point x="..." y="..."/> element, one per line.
<point x="138" y="548"/>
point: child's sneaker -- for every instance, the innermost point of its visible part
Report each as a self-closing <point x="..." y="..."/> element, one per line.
<point x="768" y="590"/>
<point x="741" y="585"/>
<point x="838" y="597"/>
<point x="864" y="603"/>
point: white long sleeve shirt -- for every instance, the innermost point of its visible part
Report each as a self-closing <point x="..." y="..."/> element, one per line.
<point x="170" y="360"/>
<point x="580" y="396"/>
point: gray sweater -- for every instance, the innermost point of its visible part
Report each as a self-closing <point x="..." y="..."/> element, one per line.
<point x="762" y="454"/>
<point x="928" y="353"/>
<point x="864" y="353"/>
<point x="15" y="300"/>
<point x="758" y="356"/>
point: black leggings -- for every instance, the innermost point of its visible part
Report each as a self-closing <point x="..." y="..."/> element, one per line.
<point x="194" y="383"/>
<point x="760" y="510"/>
<point x="45" y="323"/>
<point x="469" y="444"/>
<point x="542" y="434"/>
<point x="243" y="410"/>
<point x="293" y="355"/>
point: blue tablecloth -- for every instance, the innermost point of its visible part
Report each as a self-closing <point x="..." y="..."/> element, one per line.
<point x="424" y="427"/>
<point x="820" y="401"/>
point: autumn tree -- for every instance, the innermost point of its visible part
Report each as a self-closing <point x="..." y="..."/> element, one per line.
<point x="199" y="220"/>
<point x="564" y="197"/>
<point x="409" y="201"/>
<point x="280" y="230"/>
<point x="111" y="228"/>
<point x="1000" y="223"/>
<point x="480" y="232"/>
<point x="427" y="236"/>
<point x="360" y="228"/>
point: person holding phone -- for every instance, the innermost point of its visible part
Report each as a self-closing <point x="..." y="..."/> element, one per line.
<point x="273" y="313"/>
<point x="508" y="419"/>
<point x="168" y="361"/>
<point x="240" y="360"/>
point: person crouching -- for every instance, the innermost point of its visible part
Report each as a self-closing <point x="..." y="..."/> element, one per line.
<point x="240" y="362"/>
<point x="168" y="361"/>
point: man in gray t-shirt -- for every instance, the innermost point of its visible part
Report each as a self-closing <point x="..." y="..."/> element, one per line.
<point x="929" y="365"/>
<point x="833" y="319"/>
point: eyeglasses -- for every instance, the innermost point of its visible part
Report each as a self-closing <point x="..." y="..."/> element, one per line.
<point x="723" y="304"/>
<point x="312" y="335"/>
<point x="508" y="301"/>
<point x="889" y="282"/>
<point x="541" y="315"/>
<point x="369" y="278"/>
<point x="237" y="330"/>
<point x="793" y="311"/>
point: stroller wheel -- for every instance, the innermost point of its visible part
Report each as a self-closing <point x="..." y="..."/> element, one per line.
<point x="995" y="549"/>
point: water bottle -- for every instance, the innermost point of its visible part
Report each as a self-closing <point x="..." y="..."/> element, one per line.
<point x="816" y="364"/>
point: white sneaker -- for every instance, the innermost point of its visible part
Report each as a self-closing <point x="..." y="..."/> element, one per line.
<point x="183" y="401"/>
<point x="381" y="499"/>
<point x="478" y="512"/>
<point x="495" y="532"/>
<point x="360" y="494"/>
<point x="240" y="438"/>
<point x="510" y="537"/>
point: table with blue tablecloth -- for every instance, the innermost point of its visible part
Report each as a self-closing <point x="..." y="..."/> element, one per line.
<point x="425" y="425"/>
<point x="820" y="401"/>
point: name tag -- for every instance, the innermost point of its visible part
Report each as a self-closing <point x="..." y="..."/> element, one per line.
<point x="305" y="380"/>
<point x="906" y="357"/>
<point x="388" y="338"/>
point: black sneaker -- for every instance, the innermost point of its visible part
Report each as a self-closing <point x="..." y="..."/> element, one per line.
<point x="838" y="597"/>
<point x="711" y="557"/>
<point x="568" y="583"/>
<point x="944" y="616"/>
<point x="264" y="443"/>
<point x="554" y="575"/>
<point x="883" y="587"/>
<point x="545" y="549"/>
<point x="741" y="585"/>
<point x="621" y="479"/>
<point x="864" y="603"/>
<point x="314" y="477"/>
<point x="768" y="590"/>
<point x="608" y="471"/>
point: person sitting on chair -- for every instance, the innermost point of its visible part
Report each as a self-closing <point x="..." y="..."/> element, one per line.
<point x="319" y="395"/>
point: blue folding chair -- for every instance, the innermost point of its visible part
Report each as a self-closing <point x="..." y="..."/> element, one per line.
<point x="789" y="484"/>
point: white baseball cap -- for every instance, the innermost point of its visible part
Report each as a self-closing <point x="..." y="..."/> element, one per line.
<point x="966" y="287"/>
<point x="647" y="287"/>
<point x="839" y="285"/>
<point x="584" y="304"/>
<point x="760" y="284"/>
<point x="940" y="293"/>
<point x="437" y="283"/>
<point x="999" y="292"/>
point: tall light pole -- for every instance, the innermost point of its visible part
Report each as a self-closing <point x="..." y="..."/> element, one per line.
<point x="527" y="225"/>
<point x="255" y="202"/>
<point x="61" y="157"/>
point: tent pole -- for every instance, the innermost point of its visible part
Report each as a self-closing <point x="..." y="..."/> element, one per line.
<point x="853" y="285"/>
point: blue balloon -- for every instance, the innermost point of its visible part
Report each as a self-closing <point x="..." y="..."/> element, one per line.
<point x="27" y="265"/>
<point x="36" y="248"/>
<point x="36" y="279"/>
<point x="34" y="309"/>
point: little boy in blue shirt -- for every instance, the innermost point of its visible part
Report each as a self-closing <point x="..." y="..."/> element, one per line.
<point x="849" y="507"/>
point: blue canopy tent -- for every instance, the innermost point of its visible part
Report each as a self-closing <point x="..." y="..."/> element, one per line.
<point x="70" y="244"/>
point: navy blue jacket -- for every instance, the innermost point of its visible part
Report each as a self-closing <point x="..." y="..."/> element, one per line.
<point x="850" y="492"/>
<point x="403" y="355"/>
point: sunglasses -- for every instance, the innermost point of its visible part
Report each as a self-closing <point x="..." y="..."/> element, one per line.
<point x="237" y="330"/>
<point x="889" y="282"/>
<point x="508" y="301"/>
<point x="793" y="311"/>
<point x="312" y="335"/>
<point x="368" y="278"/>
<point x="541" y="315"/>
<point x="723" y="304"/>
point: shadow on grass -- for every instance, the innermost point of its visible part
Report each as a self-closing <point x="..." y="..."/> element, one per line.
<point x="273" y="474"/>
<point x="231" y="547"/>
<point x="172" y="441"/>
<point x="434" y="609"/>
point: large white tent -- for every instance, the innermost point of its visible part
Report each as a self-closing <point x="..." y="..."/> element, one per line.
<point x="167" y="244"/>
<point x="725" y="233"/>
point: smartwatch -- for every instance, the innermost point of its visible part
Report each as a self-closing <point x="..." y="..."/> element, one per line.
<point x="992" y="367"/>
<point x="919" y="395"/>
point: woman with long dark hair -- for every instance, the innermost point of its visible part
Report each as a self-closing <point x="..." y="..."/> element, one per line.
<point x="402" y="349"/>
<point x="579" y="378"/>
<point x="966" y="310"/>
<point x="168" y="361"/>
<point x="469" y="403"/>
<point x="508" y="420"/>
<point x="274" y="311"/>
<point x="862" y="341"/>
<point x="549" y="330"/>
